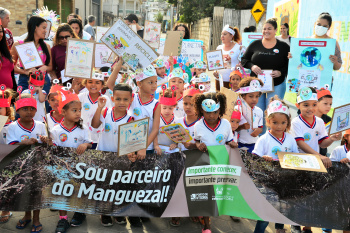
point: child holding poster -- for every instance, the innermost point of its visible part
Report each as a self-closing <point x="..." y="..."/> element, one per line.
<point x="54" y="117"/>
<point x="341" y="153"/>
<point x="176" y="78"/>
<point x="199" y="67"/>
<point x="235" y="79"/>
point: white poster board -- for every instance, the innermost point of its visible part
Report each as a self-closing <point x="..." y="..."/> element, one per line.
<point x="152" y="33"/>
<point x="215" y="60"/>
<point x="100" y="31"/>
<point x="102" y="53"/>
<point x="29" y="55"/>
<point x="340" y="119"/>
<point x="266" y="78"/>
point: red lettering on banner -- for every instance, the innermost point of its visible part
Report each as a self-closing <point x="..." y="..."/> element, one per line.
<point x="255" y="37"/>
<point x="313" y="43"/>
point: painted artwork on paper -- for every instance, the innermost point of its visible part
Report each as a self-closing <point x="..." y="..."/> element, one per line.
<point x="152" y="33"/>
<point x="29" y="55"/>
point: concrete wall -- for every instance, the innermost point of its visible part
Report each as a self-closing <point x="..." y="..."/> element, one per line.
<point x="201" y="30"/>
<point x="84" y="10"/>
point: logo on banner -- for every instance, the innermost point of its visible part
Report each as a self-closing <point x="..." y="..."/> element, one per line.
<point x="199" y="197"/>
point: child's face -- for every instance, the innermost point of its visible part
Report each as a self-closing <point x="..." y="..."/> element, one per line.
<point x="26" y="113"/>
<point x="53" y="101"/>
<point x="77" y="82"/>
<point x="166" y="110"/>
<point x="122" y="100"/>
<point x="234" y="124"/>
<point x="148" y="85"/>
<point x="234" y="80"/>
<point x="73" y="113"/>
<point x="211" y="117"/>
<point x="206" y="85"/>
<point x="179" y="83"/>
<point x="347" y="137"/>
<point x="199" y="71"/>
<point x="325" y="105"/>
<point x="188" y="106"/>
<point x="308" y="108"/>
<point x="160" y="71"/>
<point x="2" y="111"/>
<point x="37" y="88"/>
<point x="252" y="99"/>
<point x="94" y="86"/>
<point x="278" y="122"/>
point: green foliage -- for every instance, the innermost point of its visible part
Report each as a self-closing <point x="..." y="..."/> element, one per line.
<point x="293" y="23"/>
<point x="159" y="17"/>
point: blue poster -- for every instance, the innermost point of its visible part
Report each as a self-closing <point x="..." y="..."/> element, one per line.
<point x="310" y="65"/>
<point x="249" y="37"/>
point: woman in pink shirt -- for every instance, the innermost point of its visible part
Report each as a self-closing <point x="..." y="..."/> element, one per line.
<point x="6" y="63"/>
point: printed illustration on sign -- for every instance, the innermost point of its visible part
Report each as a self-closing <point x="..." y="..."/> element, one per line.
<point x="152" y="33"/>
<point x="215" y="60"/>
<point x="177" y="133"/>
<point x="340" y="119"/>
<point x="29" y="55"/>
<point x="102" y="54"/>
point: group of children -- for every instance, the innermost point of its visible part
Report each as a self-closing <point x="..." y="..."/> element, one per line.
<point x="84" y="118"/>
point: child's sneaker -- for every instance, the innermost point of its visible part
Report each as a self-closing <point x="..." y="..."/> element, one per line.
<point x="78" y="219"/>
<point x="120" y="220"/>
<point x="106" y="221"/>
<point x="62" y="226"/>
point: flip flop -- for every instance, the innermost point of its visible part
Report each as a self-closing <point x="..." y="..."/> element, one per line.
<point x="5" y="216"/>
<point x="25" y="222"/>
<point x="35" y="227"/>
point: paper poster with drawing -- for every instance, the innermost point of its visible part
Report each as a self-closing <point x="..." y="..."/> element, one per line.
<point x="231" y="99"/>
<point x="340" y="119"/>
<point x="152" y="33"/>
<point x="215" y="60"/>
<point x="123" y="41"/>
<point x="246" y="111"/>
<point x="79" y="58"/>
<point x="267" y="80"/>
<point x="177" y="133"/>
<point x="297" y="161"/>
<point x="102" y="54"/>
<point x="249" y="37"/>
<point x="310" y="65"/>
<point x="29" y="55"/>
<point x="100" y="31"/>
<point x="3" y="120"/>
<point x="133" y="136"/>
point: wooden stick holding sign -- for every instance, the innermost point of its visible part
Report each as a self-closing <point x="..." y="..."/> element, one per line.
<point x="340" y="119"/>
<point x="297" y="161"/>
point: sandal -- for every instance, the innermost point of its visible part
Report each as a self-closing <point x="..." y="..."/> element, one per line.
<point x="194" y="219"/>
<point x="23" y="223"/>
<point x="35" y="228"/>
<point x="5" y="216"/>
<point x="175" y="222"/>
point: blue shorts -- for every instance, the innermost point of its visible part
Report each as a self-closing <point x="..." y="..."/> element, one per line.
<point x="249" y="146"/>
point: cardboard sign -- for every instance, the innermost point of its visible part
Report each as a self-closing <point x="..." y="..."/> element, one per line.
<point x="173" y="43"/>
<point x="79" y="58"/>
<point x="123" y="41"/>
<point x="133" y="136"/>
<point x="215" y="60"/>
<point x="297" y="161"/>
<point x="3" y="120"/>
<point x="246" y="111"/>
<point x="177" y="133"/>
<point x="340" y="119"/>
<point x="231" y="99"/>
<point x="29" y="55"/>
<point x="152" y="33"/>
<point x="100" y="31"/>
<point x="102" y="54"/>
<point x="267" y="80"/>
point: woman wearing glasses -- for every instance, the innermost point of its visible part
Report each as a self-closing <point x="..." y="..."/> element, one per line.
<point x="58" y="51"/>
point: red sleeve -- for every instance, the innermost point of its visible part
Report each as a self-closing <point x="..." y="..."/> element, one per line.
<point x="105" y="113"/>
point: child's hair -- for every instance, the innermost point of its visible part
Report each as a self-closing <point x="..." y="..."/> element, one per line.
<point x="167" y="93"/>
<point x="325" y="96"/>
<point x="66" y="107"/>
<point x="122" y="87"/>
<point x="245" y="82"/>
<point x="39" y="77"/>
<point x="216" y="96"/>
<point x="289" y="121"/>
<point x="10" y="112"/>
<point x="24" y="96"/>
<point x="85" y="81"/>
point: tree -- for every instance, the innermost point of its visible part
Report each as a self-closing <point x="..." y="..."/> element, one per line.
<point x="158" y="17"/>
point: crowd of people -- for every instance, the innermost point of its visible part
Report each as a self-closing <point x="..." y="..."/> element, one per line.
<point x="84" y="108"/>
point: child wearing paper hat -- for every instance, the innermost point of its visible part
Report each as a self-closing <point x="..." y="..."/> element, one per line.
<point x="176" y="78"/>
<point x="203" y="82"/>
<point x="235" y="79"/>
<point x="6" y="110"/>
<point x="341" y="153"/>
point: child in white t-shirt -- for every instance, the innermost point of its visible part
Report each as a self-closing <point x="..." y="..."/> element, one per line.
<point x="176" y="78"/>
<point x="341" y="153"/>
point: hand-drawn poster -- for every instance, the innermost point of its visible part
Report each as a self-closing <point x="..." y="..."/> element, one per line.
<point x="173" y="43"/>
<point x="152" y="33"/>
<point x="249" y="37"/>
<point x="231" y="99"/>
<point x="177" y="133"/>
<point x="123" y="41"/>
<point x="246" y="111"/>
<point x="79" y="58"/>
<point x="29" y="55"/>
<point x="267" y="80"/>
<point x="287" y="11"/>
<point x="102" y="54"/>
<point x="310" y="65"/>
<point x="215" y="60"/>
<point x="133" y="136"/>
<point x="306" y="162"/>
<point x="340" y="119"/>
<point x="100" y="31"/>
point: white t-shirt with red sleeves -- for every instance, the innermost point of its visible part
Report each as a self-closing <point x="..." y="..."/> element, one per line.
<point x="17" y="133"/>
<point x="258" y="122"/>
<point x="179" y="110"/>
<point x="40" y="106"/>
<point x="62" y="136"/>
<point x="108" y="140"/>
<point x="162" y="138"/>
<point x="4" y="132"/>
<point x="218" y="135"/>
<point x="313" y="134"/>
<point x="339" y="153"/>
<point x="269" y="145"/>
<point x="188" y="127"/>
<point x="51" y="121"/>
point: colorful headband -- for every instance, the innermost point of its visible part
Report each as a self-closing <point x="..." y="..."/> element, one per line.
<point x="254" y="86"/>
<point x="65" y="97"/>
<point x="228" y="29"/>
<point x="26" y="102"/>
<point x="105" y="74"/>
<point x="306" y="94"/>
<point x="236" y="72"/>
<point x="166" y="100"/>
<point x="4" y="103"/>
<point x="176" y="73"/>
<point x="347" y="131"/>
<point x="236" y="115"/>
<point x="35" y="80"/>
<point x="277" y="106"/>
<point x="55" y="88"/>
<point x="98" y="76"/>
<point x="200" y="65"/>
<point x="323" y="92"/>
<point x="203" y="77"/>
<point x="159" y="63"/>
<point x="209" y="105"/>
<point x="191" y="91"/>
<point x="149" y="71"/>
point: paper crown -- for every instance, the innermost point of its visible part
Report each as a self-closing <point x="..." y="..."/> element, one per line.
<point x="277" y="106"/>
<point x="4" y="102"/>
<point x="236" y="115"/>
<point x="33" y="78"/>
<point x="55" y="88"/>
<point x="166" y="100"/>
<point x="191" y="91"/>
<point x="209" y="105"/>
<point x="228" y="29"/>
<point x="236" y="72"/>
<point x="323" y="92"/>
<point x="159" y="63"/>
<point x="254" y="86"/>
<point x="200" y="65"/>
<point x="98" y="76"/>
<point x="26" y="102"/>
<point x="203" y="77"/>
<point x="176" y="73"/>
<point x="306" y="94"/>
<point x="347" y="131"/>
<point x="64" y="97"/>
<point x="149" y="71"/>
